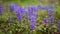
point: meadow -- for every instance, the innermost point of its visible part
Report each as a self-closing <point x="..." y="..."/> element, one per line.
<point x="29" y="17"/>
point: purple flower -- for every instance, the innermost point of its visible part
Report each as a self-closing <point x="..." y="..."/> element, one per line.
<point x="32" y="24"/>
<point x="18" y="13"/>
<point x="50" y="11"/>
<point x="42" y="7"/>
<point x="51" y="20"/>
<point x="19" y="17"/>
<point x="32" y="27"/>
<point x="45" y="20"/>
<point x="50" y="17"/>
<point x="34" y="8"/>
<point x="27" y="16"/>
<point x="23" y="11"/>
<point x="39" y="6"/>
<point x="11" y="7"/>
<point x="1" y="10"/>
<point x="9" y="19"/>
<point x="30" y="10"/>
<point x="59" y="24"/>
<point x="32" y="18"/>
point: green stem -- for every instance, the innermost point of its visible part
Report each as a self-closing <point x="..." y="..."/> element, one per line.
<point x="48" y="32"/>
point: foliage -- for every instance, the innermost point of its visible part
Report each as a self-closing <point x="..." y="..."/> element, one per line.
<point x="16" y="27"/>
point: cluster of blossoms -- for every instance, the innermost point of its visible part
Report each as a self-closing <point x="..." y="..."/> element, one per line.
<point x="45" y="20"/>
<point x="31" y="14"/>
<point x="18" y="13"/>
<point x="51" y="18"/>
<point x="9" y="19"/>
<point x="18" y="10"/>
<point x="49" y="10"/>
<point x="59" y="24"/>
<point x="11" y="7"/>
<point x="1" y="10"/>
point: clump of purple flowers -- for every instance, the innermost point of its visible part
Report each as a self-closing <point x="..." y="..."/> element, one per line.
<point x="9" y="19"/>
<point x="45" y="20"/>
<point x="18" y="13"/>
<point x="32" y="14"/>
<point x="59" y="24"/>
<point x="11" y="7"/>
<point x="51" y="18"/>
<point x="50" y="11"/>
<point x="1" y="10"/>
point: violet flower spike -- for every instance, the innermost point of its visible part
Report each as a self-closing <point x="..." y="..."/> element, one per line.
<point x="30" y="10"/>
<point x="32" y="27"/>
<point x="59" y="24"/>
<point x="18" y="14"/>
<point x="50" y="11"/>
<point x="27" y="15"/>
<point x="9" y="19"/>
<point x="32" y="22"/>
<point x="45" y="20"/>
<point x="51" y="21"/>
<point x="23" y="11"/>
<point x="1" y="10"/>
<point x="42" y="7"/>
<point x="12" y="7"/>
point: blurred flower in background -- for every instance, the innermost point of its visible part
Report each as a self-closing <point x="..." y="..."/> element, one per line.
<point x="9" y="19"/>
<point x="50" y="16"/>
<point x="52" y="21"/>
<point x="45" y="20"/>
<point x="59" y="24"/>
<point x="27" y="15"/>
<point x="50" y="13"/>
<point x="11" y="7"/>
<point x="32" y="18"/>
<point x="1" y="10"/>
<point x="18" y="13"/>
